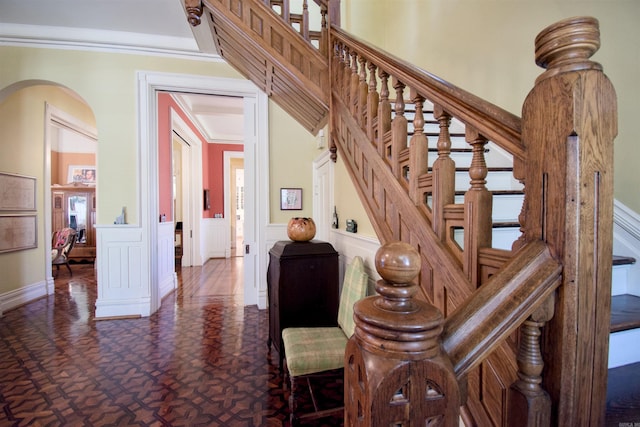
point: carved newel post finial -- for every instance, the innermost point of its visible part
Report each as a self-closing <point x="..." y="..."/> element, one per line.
<point x="395" y="370"/>
<point x="567" y="46"/>
<point x="194" y="11"/>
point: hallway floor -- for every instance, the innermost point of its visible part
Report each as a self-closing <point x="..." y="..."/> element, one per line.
<point x="201" y="360"/>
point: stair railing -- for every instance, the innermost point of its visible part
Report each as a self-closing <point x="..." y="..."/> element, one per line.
<point x="563" y="155"/>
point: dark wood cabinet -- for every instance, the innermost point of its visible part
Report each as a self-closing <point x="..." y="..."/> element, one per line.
<point x="302" y="281"/>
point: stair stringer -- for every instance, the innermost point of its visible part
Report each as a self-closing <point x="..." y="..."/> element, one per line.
<point x="257" y="42"/>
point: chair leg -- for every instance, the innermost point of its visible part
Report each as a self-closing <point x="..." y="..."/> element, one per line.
<point x="69" y="268"/>
<point x="293" y="402"/>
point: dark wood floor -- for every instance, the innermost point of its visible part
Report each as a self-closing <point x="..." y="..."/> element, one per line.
<point x="201" y="360"/>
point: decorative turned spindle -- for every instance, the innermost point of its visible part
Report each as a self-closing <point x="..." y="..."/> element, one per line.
<point x="395" y="370"/>
<point x="194" y="11"/>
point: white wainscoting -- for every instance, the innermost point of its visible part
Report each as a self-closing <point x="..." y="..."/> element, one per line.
<point x="350" y="245"/>
<point x="123" y="272"/>
<point x="215" y="238"/>
<point x="167" y="278"/>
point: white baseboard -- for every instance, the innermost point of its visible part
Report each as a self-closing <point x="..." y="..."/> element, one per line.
<point x="17" y="297"/>
<point x="123" y="308"/>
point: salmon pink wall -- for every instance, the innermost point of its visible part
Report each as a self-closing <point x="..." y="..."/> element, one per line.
<point x="212" y="161"/>
<point x="216" y="174"/>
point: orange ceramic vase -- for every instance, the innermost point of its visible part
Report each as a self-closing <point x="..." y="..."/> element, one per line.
<point x="301" y="229"/>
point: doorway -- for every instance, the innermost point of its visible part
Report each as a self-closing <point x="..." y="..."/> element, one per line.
<point x="255" y="107"/>
<point x="234" y="201"/>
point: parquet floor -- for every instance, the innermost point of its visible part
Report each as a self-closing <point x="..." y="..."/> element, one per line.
<point x="201" y="360"/>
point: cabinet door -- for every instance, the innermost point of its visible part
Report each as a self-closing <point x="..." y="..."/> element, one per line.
<point x="57" y="211"/>
<point x="307" y="289"/>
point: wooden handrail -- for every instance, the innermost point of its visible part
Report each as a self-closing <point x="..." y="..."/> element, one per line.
<point x="500" y="306"/>
<point x="496" y="124"/>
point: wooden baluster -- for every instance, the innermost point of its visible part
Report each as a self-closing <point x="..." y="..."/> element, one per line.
<point x="384" y="113"/>
<point x="363" y="89"/>
<point x="305" y="20"/>
<point x="529" y="403"/>
<point x="395" y="371"/>
<point x="336" y="65"/>
<point x="419" y="149"/>
<point x="285" y="11"/>
<point x="444" y="174"/>
<point x="372" y="102"/>
<point x="346" y="76"/>
<point x="518" y="169"/>
<point x="478" y="208"/>
<point x="399" y="130"/>
<point x="353" y="85"/>
<point x="324" y="30"/>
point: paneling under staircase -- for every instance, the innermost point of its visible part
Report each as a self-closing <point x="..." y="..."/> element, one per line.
<point x="257" y="42"/>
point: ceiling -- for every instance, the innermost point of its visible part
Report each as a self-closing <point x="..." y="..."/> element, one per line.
<point x="148" y="27"/>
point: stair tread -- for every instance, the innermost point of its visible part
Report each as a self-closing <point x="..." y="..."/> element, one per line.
<point x="625" y="312"/>
<point x="623" y="260"/>
<point x="623" y="395"/>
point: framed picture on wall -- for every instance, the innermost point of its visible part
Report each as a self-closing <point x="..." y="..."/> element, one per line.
<point x="291" y="199"/>
<point x="82" y="174"/>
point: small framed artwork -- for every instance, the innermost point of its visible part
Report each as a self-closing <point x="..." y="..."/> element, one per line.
<point x="291" y="199"/>
<point x="18" y="232"/>
<point x="82" y="174"/>
<point x="17" y="192"/>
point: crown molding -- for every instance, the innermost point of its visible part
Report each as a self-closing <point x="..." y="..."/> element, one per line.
<point x="65" y="38"/>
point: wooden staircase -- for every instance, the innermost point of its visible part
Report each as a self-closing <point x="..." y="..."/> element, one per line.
<point x="525" y="329"/>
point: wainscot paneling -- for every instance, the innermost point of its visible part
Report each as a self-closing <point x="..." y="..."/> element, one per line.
<point x="123" y="273"/>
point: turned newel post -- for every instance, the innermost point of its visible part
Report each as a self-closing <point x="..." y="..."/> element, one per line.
<point x="569" y="122"/>
<point x="396" y="373"/>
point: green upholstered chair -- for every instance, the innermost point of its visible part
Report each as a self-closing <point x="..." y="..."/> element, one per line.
<point x="317" y="351"/>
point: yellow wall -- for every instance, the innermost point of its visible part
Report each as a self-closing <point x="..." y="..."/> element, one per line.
<point x="487" y="48"/>
<point x="22" y="152"/>
<point x="107" y="82"/>
<point x="290" y="165"/>
<point x="347" y="201"/>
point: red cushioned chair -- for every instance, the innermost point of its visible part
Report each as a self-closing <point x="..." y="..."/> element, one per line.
<point x="61" y="244"/>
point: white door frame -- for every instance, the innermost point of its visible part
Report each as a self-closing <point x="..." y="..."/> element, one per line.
<point x="55" y="117"/>
<point x="228" y="155"/>
<point x="148" y="84"/>
<point x="191" y="190"/>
